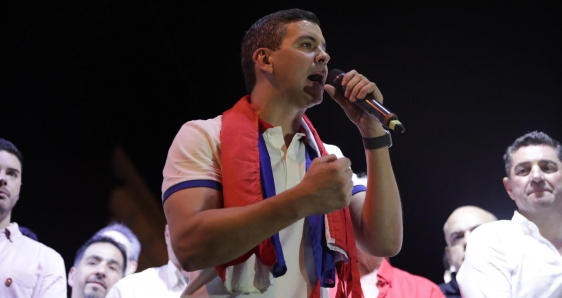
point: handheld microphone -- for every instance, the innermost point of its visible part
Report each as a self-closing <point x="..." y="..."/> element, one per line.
<point x="370" y="105"/>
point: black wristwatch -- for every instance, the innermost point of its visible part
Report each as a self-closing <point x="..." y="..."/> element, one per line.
<point x="378" y="142"/>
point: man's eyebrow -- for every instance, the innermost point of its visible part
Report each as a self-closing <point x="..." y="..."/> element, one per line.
<point x="96" y="257"/>
<point x="114" y="261"/>
<point x="14" y="170"/>
<point x="524" y="163"/>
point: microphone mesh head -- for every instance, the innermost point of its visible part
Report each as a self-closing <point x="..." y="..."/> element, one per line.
<point x="334" y="78"/>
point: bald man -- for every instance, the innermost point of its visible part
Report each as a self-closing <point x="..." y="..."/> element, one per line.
<point x="457" y="229"/>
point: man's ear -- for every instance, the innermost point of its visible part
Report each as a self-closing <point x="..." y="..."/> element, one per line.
<point x="507" y="185"/>
<point x="262" y="59"/>
<point x="448" y="252"/>
<point x="71" y="276"/>
<point x="131" y="267"/>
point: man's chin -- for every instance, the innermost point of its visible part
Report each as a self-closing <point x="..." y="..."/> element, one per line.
<point x="316" y="93"/>
<point x="94" y="291"/>
<point x="94" y="295"/>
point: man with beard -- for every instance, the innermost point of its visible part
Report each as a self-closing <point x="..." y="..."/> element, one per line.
<point x="521" y="257"/>
<point x="98" y="265"/>
<point x="127" y="238"/>
<point x="27" y="268"/>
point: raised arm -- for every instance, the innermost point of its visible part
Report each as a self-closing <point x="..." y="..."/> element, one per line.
<point x="376" y="213"/>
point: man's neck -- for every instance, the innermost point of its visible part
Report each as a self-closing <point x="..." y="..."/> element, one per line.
<point x="5" y="220"/>
<point x="278" y="112"/>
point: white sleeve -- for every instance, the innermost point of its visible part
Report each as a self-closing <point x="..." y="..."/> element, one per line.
<point x="115" y="291"/>
<point x="194" y="154"/>
<point x="332" y="149"/>
<point x="484" y="271"/>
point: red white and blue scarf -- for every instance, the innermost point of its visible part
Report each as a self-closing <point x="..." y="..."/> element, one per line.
<point x="247" y="178"/>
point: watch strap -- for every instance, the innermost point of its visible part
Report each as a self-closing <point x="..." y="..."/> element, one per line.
<point x="378" y="142"/>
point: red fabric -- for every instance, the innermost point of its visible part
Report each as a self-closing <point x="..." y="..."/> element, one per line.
<point x="241" y="187"/>
<point x="394" y="282"/>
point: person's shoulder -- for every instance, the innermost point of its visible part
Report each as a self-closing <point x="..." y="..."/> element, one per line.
<point x="416" y="282"/>
<point x="45" y="253"/>
<point x="204" y="124"/>
<point x="146" y="273"/>
<point x="418" y="279"/>
<point x="497" y="227"/>
<point x="196" y="131"/>
<point x="43" y="248"/>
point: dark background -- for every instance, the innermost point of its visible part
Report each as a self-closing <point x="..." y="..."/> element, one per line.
<point x="465" y="78"/>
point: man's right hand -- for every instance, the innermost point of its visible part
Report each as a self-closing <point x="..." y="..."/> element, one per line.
<point x="327" y="185"/>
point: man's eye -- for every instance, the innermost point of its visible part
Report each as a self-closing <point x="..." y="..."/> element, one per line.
<point x="307" y="45"/>
<point x="13" y="174"/>
<point x="550" y="168"/>
<point x="521" y="171"/>
<point x="113" y="268"/>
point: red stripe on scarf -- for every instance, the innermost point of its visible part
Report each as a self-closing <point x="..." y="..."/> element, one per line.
<point x="242" y="186"/>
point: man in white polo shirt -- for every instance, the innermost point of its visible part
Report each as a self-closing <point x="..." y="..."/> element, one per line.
<point x="521" y="257"/>
<point x="256" y="194"/>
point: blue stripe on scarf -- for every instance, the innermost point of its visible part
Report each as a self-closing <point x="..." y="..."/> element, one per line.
<point x="323" y="258"/>
<point x="268" y="190"/>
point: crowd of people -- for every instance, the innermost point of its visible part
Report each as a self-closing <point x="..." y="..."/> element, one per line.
<point x="258" y="206"/>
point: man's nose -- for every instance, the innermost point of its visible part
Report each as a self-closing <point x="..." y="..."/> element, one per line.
<point x="322" y="57"/>
<point x="536" y="173"/>
<point x="101" y="272"/>
<point x="3" y="177"/>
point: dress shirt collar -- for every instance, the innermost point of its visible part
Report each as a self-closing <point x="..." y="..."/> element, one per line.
<point x="529" y="227"/>
<point x="384" y="274"/>
<point x="175" y="278"/>
<point x="10" y="233"/>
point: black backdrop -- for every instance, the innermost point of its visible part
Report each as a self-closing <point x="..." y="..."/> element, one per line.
<point x="466" y="78"/>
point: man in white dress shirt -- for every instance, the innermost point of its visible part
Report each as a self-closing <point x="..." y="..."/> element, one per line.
<point x="521" y="257"/>
<point x="27" y="268"/>
<point x="165" y="281"/>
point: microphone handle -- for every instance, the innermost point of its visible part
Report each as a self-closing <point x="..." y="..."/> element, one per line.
<point x="370" y="105"/>
<point x="377" y="110"/>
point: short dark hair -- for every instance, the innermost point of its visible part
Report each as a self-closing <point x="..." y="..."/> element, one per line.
<point x="268" y="32"/>
<point x="8" y="146"/>
<point x="128" y="233"/>
<point x="100" y="239"/>
<point x="535" y="138"/>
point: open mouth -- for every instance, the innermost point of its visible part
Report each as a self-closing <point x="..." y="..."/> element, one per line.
<point x="318" y="78"/>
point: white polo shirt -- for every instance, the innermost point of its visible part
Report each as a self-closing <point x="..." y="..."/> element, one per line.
<point x="194" y="160"/>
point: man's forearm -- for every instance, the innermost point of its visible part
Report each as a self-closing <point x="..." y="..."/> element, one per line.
<point x="380" y="228"/>
<point x="217" y="236"/>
